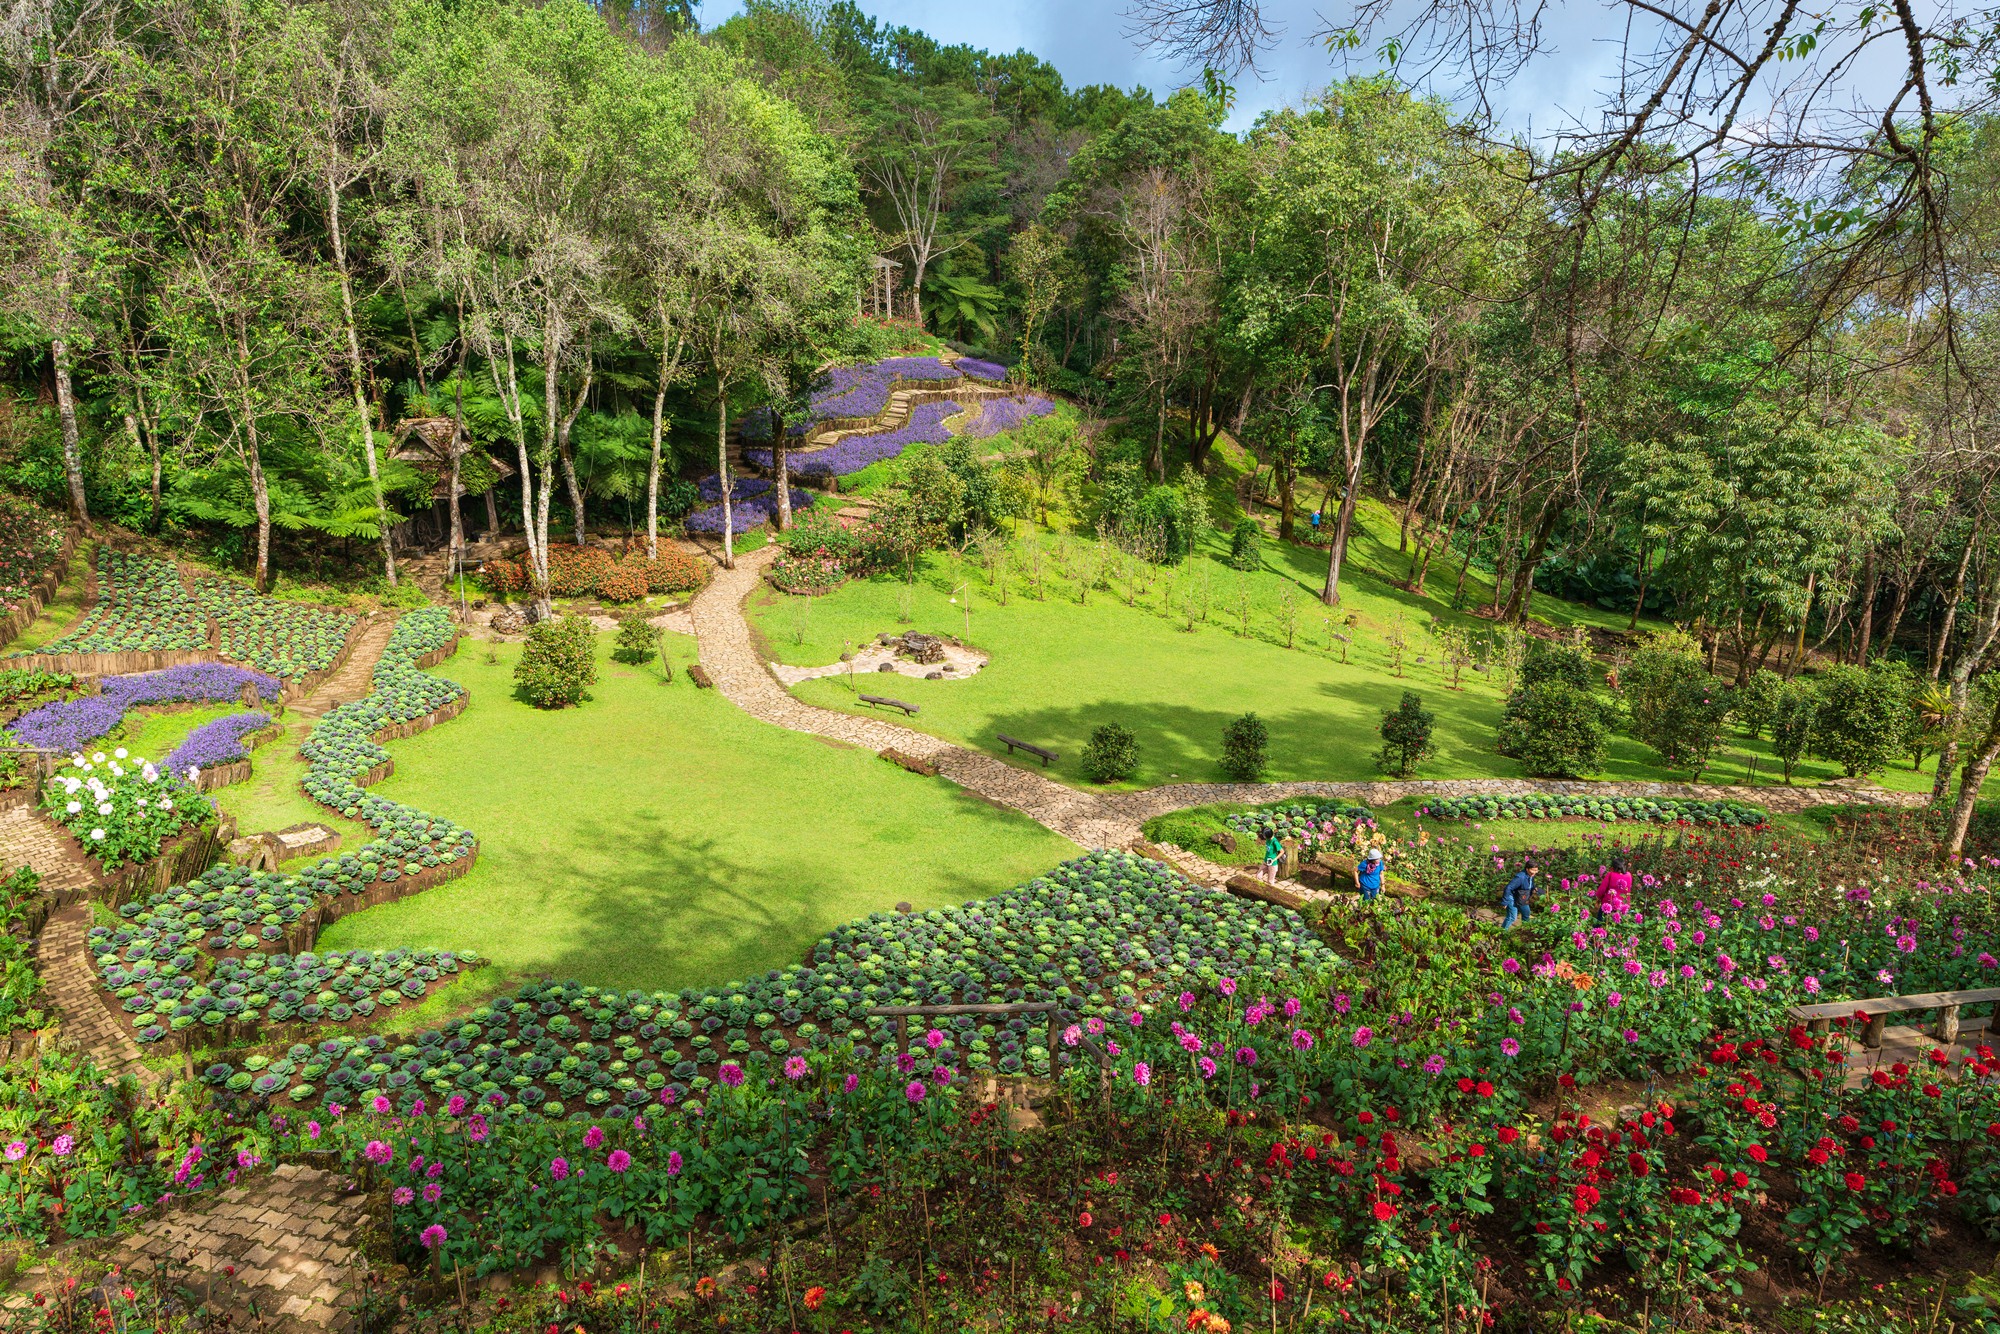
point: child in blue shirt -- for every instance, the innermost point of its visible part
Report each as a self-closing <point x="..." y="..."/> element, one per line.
<point x="1516" y="896"/>
<point x="1368" y="874"/>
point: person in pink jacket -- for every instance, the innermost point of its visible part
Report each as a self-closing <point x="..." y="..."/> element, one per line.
<point x="1614" y="888"/>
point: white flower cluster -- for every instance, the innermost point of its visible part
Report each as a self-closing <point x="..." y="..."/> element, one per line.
<point x="93" y="789"/>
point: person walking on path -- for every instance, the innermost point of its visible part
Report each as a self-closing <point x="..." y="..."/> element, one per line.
<point x="1368" y="874"/>
<point x="1614" y="889"/>
<point x="1274" y="853"/>
<point x="1518" y="894"/>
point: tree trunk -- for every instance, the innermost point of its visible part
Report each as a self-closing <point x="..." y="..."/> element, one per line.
<point x="659" y="431"/>
<point x="1285" y="507"/>
<point x="1640" y="605"/>
<point x="457" y="566"/>
<point x="1897" y="606"/>
<point x="1969" y="784"/>
<point x="1524" y="573"/>
<point x="1951" y="606"/>
<point x="361" y="413"/>
<point x="783" y="480"/>
<point x="722" y="470"/>
<point x="72" y="447"/>
<point x="1343" y="523"/>
<point x="1799" y="644"/>
<point x="1866" y="632"/>
<point x="563" y="449"/>
<point x="1158" y="463"/>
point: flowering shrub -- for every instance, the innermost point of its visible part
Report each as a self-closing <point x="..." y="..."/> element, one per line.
<point x="215" y="743"/>
<point x="999" y="415"/>
<point x="121" y="807"/>
<point x="673" y="572"/>
<point x="72" y="724"/>
<point x="852" y="453"/>
<point x="863" y="391"/>
<point x="981" y="370"/>
<point x="622" y="583"/>
<point x="141" y="605"/>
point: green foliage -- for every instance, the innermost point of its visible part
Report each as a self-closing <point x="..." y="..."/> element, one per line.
<point x="1555" y="728"/>
<point x="1243" y="743"/>
<point x="638" y="638"/>
<point x="1113" y="753"/>
<point x="1757" y="701"/>
<point x="1864" y="717"/>
<point x="1406" y="735"/>
<point x="1246" y="544"/>
<point x="559" y="663"/>
<point x="1673" y="703"/>
<point x="1793" y="714"/>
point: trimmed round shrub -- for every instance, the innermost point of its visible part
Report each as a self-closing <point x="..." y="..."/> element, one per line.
<point x="559" y="664"/>
<point x="1113" y="753"/>
<point x="622" y="583"/>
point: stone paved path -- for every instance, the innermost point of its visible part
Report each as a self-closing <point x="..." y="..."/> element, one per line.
<point x="288" y="1236"/>
<point x="71" y="979"/>
<point x="1111" y="819"/>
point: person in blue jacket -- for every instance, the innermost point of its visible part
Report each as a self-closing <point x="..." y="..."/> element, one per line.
<point x="1368" y="874"/>
<point x="1520" y="890"/>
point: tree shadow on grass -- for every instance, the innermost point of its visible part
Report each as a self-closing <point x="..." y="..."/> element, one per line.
<point x="1331" y="737"/>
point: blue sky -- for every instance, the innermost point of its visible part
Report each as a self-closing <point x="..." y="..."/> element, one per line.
<point x="1085" y="39"/>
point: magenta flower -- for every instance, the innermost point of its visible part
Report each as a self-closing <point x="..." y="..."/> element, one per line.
<point x="1207" y="1067"/>
<point x="62" y="1146"/>
<point x="1434" y="1064"/>
<point x="593" y="1137"/>
<point x="433" y="1236"/>
<point x="619" y="1160"/>
<point x="1510" y="1046"/>
<point x="559" y="1168"/>
<point x="16" y="1150"/>
<point x="673" y="1162"/>
<point x="1301" y="1040"/>
<point x="1246" y="1056"/>
<point x="731" y="1074"/>
<point x="1631" y="1035"/>
<point x="1186" y="1001"/>
<point x="915" y="1091"/>
<point x="312" y="1130"/>
<point x="1227" y="986"/>
<point x="1142" y="1074"/>
<point x="1511" y="966"/>
<point x="402" y="1195"/>
<point x="375" y="1151"/>
<point x="1363" y="1036"/>
<point x="432" y="1192"/>
<point x="849" y="1084"/>
<point x="455" y="1106"/>
<point x="795" y="1067"/>
<point x="1292" y="1007"/>
<point x="382" y="1105"/>
<point x="934" y="1039"/>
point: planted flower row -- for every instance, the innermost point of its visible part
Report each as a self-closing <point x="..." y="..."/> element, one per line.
<point x="1540" y="806"/>
<point x="141" y="606"/>
<point x="229" y="909"/>
<point x="1088" y="936"/>
<point x="287" y="639"/>
<point x="998" y="415"/>
<point x="852" y="453"/>
<point x="216" y="742"/>
<point x="70" y="725"/>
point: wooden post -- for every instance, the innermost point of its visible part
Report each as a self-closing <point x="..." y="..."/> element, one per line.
<point x="1947" y="1024"/>
<point x="902" y="1033"/>
<point x="1871" y="1032"/>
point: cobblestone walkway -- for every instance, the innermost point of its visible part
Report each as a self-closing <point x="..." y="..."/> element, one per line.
<point x="87" y="1025"/>
<point x="1112" y="819"/>
<point x="26" y="840"/>
<point x="285" y="1244"/>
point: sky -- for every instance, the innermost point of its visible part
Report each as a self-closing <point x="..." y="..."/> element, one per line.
<point x="1086" y="41"/>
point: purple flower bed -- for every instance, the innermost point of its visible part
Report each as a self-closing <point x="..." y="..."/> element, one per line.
<point x="69" y="725"/>
<point x="855" y="452"/>
<point x="1004" y="414"/>
<point x="982" y="370"/>
<point x="745" y="513"/>
<point x="216" y="742"/>
<point x="709" y="488"/>
<point x="863" y="391"/>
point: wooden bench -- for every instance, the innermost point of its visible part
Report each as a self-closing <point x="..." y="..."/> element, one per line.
<point x="1013" y="744"/>
<point x="909" y="710"/>
<point x="1818" y="1018"/>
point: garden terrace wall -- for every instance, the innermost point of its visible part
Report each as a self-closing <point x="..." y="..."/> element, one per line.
<point x="129" y="662"/>
<point x="39" y="596"/>
<point x="182" y="858"/>
<point x="397" y="731"/>
<point x="296" y="690"/>
<point x="433" y="658"/>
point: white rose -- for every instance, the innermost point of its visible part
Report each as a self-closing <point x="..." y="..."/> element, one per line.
<point x="75" y="808"/>
<point x="194" y="773"/>
<point x="97" y="835"/>
<point x="71" y="784"/>
<point x="97" y="758"/>
<point x="104" y="808"/>
<point x="121" y="752"/>
<point x="166" y="803"/>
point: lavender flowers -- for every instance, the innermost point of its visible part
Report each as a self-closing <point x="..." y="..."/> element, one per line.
<point x="1004" y="414"/>
<point x="216" y="742"/>
<point x="69" y="725"/>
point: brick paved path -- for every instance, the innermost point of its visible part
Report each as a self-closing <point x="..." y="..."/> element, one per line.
<point x="27" y="840"/>
<point x="289" y="1235"/>
<point x="1110" y="819"/>
<point x="356" y="676"/>
<point x="88" y="1023"/>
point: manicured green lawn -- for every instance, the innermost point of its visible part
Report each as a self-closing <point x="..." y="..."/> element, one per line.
<point x="659" y="837"/>
<point x="154" y="736"/>
<point x="1060" y="668"/>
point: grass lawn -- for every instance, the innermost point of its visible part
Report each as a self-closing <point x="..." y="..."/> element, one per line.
<point x="1060" y="668"/>
<point x="658" y="837"/>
